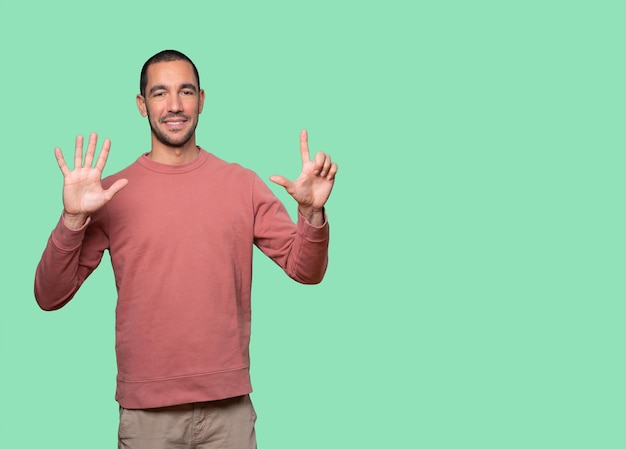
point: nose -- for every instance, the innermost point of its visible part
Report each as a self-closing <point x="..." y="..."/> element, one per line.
<point x="174" y="103"/>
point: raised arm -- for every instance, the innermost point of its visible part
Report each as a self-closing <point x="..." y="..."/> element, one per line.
<point x="312" y="188"/>
<point x="74" y="250"/>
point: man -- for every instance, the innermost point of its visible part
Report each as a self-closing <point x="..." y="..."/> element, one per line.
<point x="180" y="226"/>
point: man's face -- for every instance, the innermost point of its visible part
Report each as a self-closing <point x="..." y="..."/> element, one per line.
<point x="172" y="102"/>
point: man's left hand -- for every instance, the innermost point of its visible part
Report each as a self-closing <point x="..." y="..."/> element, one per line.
<point x="312" y="188"/>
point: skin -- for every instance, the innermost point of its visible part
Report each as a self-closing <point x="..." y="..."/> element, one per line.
<point x="172" y="104"/>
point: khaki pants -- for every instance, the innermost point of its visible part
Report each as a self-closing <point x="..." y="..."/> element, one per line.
<point x="227" y="424"/>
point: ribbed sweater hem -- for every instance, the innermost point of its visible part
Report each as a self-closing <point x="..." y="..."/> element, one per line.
<point x="183" y="390"/>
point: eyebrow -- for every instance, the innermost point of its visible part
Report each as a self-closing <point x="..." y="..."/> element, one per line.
<point x="182" y="86"/>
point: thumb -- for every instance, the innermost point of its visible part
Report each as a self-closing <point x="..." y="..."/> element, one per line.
<point x="280" y="180"/>
<point x="116" y="187"/>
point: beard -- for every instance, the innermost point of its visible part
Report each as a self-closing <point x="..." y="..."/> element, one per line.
<point x="176" y="141"/>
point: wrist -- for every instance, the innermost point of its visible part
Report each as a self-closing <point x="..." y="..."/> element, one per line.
<point x="313" y="215"/>
<point x="74" y="221"/>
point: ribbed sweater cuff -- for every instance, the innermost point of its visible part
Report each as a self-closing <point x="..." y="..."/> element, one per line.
<point x="67" y="239"/>
<point x="310" y="232"/>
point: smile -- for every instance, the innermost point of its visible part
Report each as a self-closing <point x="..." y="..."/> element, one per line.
<point x="174" y="123"/>
<point x="174" y="119"/>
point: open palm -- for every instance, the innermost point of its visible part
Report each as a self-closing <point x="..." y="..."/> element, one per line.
<point x="82" y="187"/>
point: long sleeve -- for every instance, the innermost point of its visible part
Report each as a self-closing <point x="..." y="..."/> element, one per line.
<point x="68" y="259"/>
<point x="181" y="241"/>
<point x="300" y="250"/>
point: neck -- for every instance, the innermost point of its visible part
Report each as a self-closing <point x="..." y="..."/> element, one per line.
<point x="165" y="154"/>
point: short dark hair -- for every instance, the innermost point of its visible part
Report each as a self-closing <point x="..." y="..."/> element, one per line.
<point x="164" y="56"/>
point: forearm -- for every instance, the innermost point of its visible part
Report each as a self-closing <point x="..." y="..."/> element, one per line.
<point x="308" y="256"/>
<point x="61" y="271"/>
<point x="300" y="249"/>
<point x="55" y="279"/>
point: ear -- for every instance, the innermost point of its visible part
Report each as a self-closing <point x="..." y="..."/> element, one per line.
<point x="201" y="101"/>
<point x="141" y="105"/>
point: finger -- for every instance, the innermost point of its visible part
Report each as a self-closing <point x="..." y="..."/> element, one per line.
<point x="78" y="152"/>
<point x="326" y="165"/>
<point x="304" y="146"/>
<point x="280" y="180"/>
<point x="61" y="161"/>
<point x="91" y="149"/>
<point x="116" y="187"/>
<point x="104" y="155"/>
<point x="332" y="172"/>
<point x="318" y="162"/>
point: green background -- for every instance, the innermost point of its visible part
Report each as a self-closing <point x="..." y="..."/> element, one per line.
<point x="475" y="293"/>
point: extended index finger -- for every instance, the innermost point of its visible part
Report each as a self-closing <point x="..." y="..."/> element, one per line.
<point x="304" y="146"/>
<point x="104" y="154"/>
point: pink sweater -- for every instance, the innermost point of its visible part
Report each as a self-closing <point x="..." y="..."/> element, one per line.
<point x="181" y="240"/>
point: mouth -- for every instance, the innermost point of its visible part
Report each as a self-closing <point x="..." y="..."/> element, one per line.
<point x="174" y="123"/>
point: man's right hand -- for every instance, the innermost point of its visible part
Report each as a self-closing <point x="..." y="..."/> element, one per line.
<point x="82" y="187"/>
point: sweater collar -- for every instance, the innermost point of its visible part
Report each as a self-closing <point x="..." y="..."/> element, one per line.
<point x="148" y="163"/>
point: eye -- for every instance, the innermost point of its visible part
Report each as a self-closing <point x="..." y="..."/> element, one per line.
<point x="187" y="92"/>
